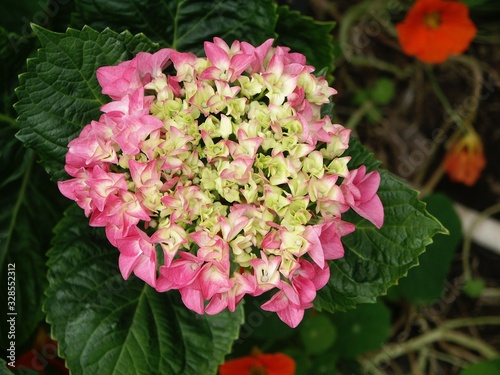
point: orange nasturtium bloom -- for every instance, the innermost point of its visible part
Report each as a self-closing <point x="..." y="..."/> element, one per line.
<point x="465" y="160"/>
<point x="259" y="364"/>
<point x="435" y="29"/>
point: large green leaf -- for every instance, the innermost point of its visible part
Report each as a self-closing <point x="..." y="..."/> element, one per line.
<point x="375" y="259"/>
<point x="105" y="325"/>
<point x="305" y="35"/>
<point x="28" y="210"/>
<point x="59" y="93"/>
<point x="426" y="283"/>
<point x="181" y="24"/>
<point x="29" y="205"/>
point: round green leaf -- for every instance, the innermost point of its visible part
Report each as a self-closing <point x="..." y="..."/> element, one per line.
<point x="383" y="91"/>
<point x="317" y="333"/>
<point x="365" y="328"/>
<point x="474" y="287"/>
<point x="325" y="364"/>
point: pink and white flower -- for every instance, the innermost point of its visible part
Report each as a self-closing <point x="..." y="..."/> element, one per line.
<point x="218" y="177"/>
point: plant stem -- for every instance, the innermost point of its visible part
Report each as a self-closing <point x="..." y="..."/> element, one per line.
<point x="491" y="293"/>
<point x="423" y="360"/>
<point x="358" y="114"/>
<point x="432" y="181"/>
<point x="439" y="172"/>
<point x="350" y="53"/>
<point x="442" y="97"/>
<point x="8" y="119"/>
<point x="373" y="62"/>
<point x="473" y="343"/>
<point x="477" y="80"/>
<point x="451" y="359"/>
<point x="15" y="211"/>
<point x="463" y="125"/>
<point x="443" y="332"/>
<point x="465" y="322"/>
<point x="370" y="367"/>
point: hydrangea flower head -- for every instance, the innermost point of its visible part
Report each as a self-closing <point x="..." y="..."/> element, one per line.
<point x="218" y="177"/>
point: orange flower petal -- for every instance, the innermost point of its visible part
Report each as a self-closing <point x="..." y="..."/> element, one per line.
<point x="239" y="366"/>
<point x="435" y="42"/>
<point x="273" y="364"/>
<point x="278" y="364"/>
<point x="465" y="160"/>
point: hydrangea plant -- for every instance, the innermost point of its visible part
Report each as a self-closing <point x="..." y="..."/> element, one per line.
<point x="226" y="164"/>
<point x="209" y="168"/>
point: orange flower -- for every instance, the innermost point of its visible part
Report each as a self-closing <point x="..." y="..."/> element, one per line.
<point x="41" y="359"/>
<point x="465" y="160"/>
<point x="436" y="29"/>
<point x="259" y="364"/>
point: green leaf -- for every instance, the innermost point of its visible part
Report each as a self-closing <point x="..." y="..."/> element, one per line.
<point x="426" y="282"/>
<point x="4" y="369"/>
<point x="317" y="333"/>
<point x="488" y="10"/>
<point x="184" y="25"/>
<point x="106" y="325"/>
<point x="29" y="205"/>
<point x="325" y="364"/>
<point x="360" y="330"/>
<point x="59" y="94"/>
<point x="474" y="287"/>
<point x="360" y="156"/>
<point x="475" y="3"/>
<point x="302" y="362"/>
<point x="307" y="36"/>
<point x="24" y="240"/>
<point x="13" y="53"/>
<point x="12" y="149"/>
<point x="382" y="91"/>
<point x="485" y="367"/>
<point x="376" y="258"/>
<point x="17" y="15"/>
<point x="374" y="115"/>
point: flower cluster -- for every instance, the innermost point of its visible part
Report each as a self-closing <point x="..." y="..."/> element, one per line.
<point x="435" y="29"/>
<point x="218" y="177"/>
